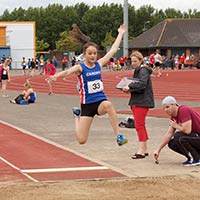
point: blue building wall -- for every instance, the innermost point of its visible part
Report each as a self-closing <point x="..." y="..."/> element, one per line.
<point x="5" y="51"/>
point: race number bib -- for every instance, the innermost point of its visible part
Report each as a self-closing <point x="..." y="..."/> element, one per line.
<point x="4" y="72"/>
<point x="95" y="86"/>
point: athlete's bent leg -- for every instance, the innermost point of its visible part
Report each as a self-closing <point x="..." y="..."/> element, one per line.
<point x="107" y="107"/>
<point x="83" y="125"/>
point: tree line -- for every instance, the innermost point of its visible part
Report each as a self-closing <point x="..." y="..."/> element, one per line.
<point x="99" y="23"/>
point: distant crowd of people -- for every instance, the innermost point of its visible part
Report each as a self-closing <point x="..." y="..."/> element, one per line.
<point x="157" y="62"/>
<point x="31" y="64"/>
<point x="173" y="62"/>
<point x="121" y="64"/>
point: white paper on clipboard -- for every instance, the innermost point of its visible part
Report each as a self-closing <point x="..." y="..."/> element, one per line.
<point x="125" y="81"/>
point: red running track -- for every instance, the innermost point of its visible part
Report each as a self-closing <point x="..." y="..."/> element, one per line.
<point x="182" y="84"/>
<point x="24" y="157"/>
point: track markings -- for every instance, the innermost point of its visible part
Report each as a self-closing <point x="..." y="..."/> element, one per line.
<point x="71" y="169"/>
<point x="17" y="169"/>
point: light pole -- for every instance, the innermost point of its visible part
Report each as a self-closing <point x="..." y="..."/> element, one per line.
<point x="144" y="28"/>
<point x="125" y="39"/>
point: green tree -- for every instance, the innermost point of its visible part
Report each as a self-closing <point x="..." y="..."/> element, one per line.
<point x="143" y="15"/>
<point x="100" y="20"/>
<point x="81" y="9"/>
<point x="132" y="20"/>
<point x="158" y="16"/>
<point x="192" y="14"/>
<point x="173" y="13"/>
<point x="94" y="22"/>
<point x="66" y="42"/>
<point x="108" y="40"/>
<point x="15" y="15"/>
<point x="41" y="45"/>
<point x="54" y="20"/>
<point x="5" y="16"/>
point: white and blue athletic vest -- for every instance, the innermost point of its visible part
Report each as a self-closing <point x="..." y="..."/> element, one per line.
<point x="91" y="85"/>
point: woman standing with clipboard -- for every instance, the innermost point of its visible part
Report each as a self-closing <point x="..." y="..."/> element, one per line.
<point x="141" y="100"/>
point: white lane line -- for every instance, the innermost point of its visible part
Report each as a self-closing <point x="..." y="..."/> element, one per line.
<point x="16" y="168"/>
<point x="70" y="169"/>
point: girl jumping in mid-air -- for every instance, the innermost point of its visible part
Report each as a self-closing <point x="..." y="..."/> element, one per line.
<point x="92" y="98"/>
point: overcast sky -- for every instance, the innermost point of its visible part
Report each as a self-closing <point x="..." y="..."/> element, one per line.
<point x="182" y="5"/>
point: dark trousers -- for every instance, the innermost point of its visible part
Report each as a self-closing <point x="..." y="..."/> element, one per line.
<point x="185" y="144"/>
<point x="63" y="66"/>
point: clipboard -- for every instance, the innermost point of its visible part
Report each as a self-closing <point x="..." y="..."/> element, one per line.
<point x="125" y="81"/>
